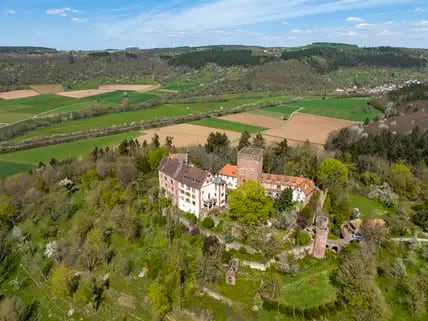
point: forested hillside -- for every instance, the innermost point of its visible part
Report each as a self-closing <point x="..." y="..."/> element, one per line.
<point x="319" y="67"/>
<point x="94" y="239"/>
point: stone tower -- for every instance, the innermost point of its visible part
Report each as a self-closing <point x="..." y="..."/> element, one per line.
<point x="250" y="164"/>
<point x="321" y="237"/>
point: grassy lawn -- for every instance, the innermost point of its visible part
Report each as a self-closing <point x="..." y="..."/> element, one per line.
<point x="166" y="110"/>
<point x="247" y="284"/>
<point x="23" y="160"/>
<point x="310" y="286"/>
<point x="228" y="125"/>
<point x="341" y="108"/>
<point x="369" y="208"/>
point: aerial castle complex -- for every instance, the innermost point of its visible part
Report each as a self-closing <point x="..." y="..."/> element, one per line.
<point x="194" y="190"/>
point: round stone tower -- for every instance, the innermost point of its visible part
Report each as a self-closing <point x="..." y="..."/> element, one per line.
<point x="321" y="236"/>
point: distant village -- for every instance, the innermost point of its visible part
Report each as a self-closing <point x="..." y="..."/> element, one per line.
<point x="378" y="89"/>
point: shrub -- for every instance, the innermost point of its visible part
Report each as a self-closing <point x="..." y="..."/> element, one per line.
<point x="208" y="223"/>
<point x="303" y="238"/>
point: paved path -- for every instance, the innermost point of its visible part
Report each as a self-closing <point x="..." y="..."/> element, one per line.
<point x="217" y="296"/>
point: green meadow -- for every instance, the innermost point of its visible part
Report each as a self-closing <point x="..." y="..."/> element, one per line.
<point x="161" y="111"/>
<point x="25" y="108"/>
<point x="15" y="162"/>
<point x="355" y="109"/>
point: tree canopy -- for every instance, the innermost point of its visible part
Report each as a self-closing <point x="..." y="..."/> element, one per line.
<point x="249" y="203"/>
<point x="332" y="174"/>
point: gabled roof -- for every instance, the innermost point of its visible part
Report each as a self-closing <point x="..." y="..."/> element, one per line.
<point x="305" y="184"/>
<point x="183" y="173"/>
<point x="229" y="170"/>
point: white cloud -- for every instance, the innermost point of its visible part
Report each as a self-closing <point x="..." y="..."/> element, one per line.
<point x="78" y="20"/>
<point x="388" y="33"/>
<point x="285" y="23"/>
<point x="354" y="20"/>
<point x="419" y="10"/>
<point x="11" y="11"/>
<point x="234" y="13"/>
<point x="421" y="23"/>
<point x="300" y="31"/>
<point x="364" y="25"/>
<point x="63" y="12"/>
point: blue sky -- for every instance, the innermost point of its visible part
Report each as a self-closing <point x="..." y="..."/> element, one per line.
<point x="101" y="24"/>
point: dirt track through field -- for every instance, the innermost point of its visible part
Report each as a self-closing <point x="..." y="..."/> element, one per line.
<point x="256" y="120"/>
<point x="302" y="127"/>
<point x="138" y="88"/>
<point x="16" y="94"/>
<point x="186" y="134"/>
<point x="85" y="93"/>
<point x="48" y="89"/>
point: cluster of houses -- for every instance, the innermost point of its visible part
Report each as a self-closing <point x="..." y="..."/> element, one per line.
<point x="197" y="191"/>
<point x="378" y="89"/>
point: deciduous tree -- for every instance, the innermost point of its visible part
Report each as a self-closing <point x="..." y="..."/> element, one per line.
<point x="249" y="203"/>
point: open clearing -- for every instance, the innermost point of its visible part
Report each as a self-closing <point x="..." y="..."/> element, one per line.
<point x="255" y="120"/>
<point x="302" y="127"/>
<point x="185" y="134"/>
<point x="228" y="125"/>
<point x="85" y="93"/>
<point x="16" y="94"/>
<point x="48" y="89"/>
<point x="139" y="88"/>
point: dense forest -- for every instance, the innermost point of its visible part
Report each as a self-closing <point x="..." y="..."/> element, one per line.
<point x="225" y="58"/>
<point x="333" y="58"/>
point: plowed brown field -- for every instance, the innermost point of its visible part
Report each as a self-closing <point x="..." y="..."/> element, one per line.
<point x="256" y="120"/>
<point x="186" y="134"/>
<point x="48" y="89"/>
<point x="15" y="94"/>
<point x="139" y="88"/>
<point x="302" y="127"/>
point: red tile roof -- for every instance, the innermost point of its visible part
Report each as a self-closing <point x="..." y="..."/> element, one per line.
<point x="306" y="185"/>
<point x="229" y="170"/>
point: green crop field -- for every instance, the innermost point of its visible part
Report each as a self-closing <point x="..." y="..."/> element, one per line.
<point x="166" y="110"/>
<point x="355" y="109"/>
<point x="228" y="125"/>
<point x="16" y="162"/>
<point x="287" y="110"/>
<point x="25" y="108"/>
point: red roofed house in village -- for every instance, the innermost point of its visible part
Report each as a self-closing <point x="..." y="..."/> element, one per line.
<point x="250" y="165"/>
